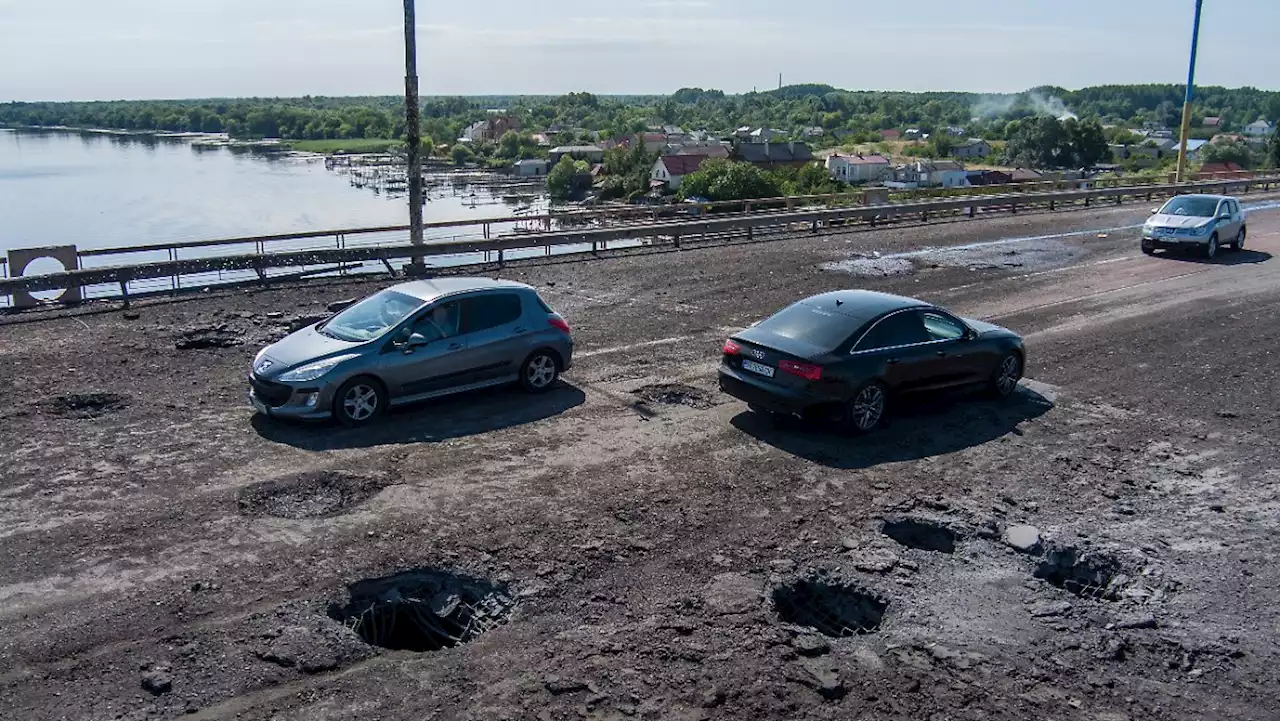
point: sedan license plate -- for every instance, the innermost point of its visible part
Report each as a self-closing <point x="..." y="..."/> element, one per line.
<point x="760" y="368"/>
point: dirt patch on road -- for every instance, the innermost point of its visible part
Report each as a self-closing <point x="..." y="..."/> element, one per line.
<point x="87" y="405"/>
<point x="205" y="338"/>
<point x="424" y="609"/>
<point x="672" y="394"/>
<point x="310" y="495"/>
<point x="1088" y="574"/>
<point x="925" y="534"/>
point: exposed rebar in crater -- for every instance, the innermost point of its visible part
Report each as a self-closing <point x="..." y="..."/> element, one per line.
<point x="423" y="609"/>
<point x="1088" y="574"/>
<point x="832" y="608"/>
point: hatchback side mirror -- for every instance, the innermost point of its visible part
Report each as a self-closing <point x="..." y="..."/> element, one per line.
<point x="415" y="340"/>
<point x="1155" y="210"/>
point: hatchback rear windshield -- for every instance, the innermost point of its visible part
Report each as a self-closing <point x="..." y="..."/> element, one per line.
<point x="1187" y="205"/>
<point x="813" y="325"/>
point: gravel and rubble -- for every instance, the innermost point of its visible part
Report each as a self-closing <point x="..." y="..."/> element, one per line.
<point x="634" y="544"/>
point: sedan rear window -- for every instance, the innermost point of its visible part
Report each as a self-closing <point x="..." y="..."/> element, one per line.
<point x="812" y="325"/>
<point x="1191" y="205"/>
<point x="895" y="330"/>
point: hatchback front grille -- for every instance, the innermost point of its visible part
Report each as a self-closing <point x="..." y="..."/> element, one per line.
<point x="272" y="394"/>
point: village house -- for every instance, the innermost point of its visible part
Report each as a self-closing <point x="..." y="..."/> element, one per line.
<point x="1226" y="170"/>
<point x="770" y="155"/>
<point x="531" y="167"/>
<point x="890" y="134"/>
<point x="1259" y="128"/>
<point x="955" y="131"/>
<point x="943" y="173"/>
<point x="765" y="135"/>
<point x="989" y="177"/>
<point x="589" y="153"/>
<point x="1211" y="121"/>
<point x="858" y="168"/>
<point x="670" y="170"/>
<point x="971" y="148"/>
<point x="710" y="149"/>
<point x="490" y="128"/>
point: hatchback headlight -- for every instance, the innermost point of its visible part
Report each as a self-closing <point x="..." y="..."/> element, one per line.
<point x="1201" y="229"/>
<point x="312" y="371"/>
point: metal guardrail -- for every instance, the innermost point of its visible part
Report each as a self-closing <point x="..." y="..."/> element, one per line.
<point x="672" y="232"/>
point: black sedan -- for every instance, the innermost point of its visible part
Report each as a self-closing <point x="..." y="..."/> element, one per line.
<point x="845" y="355"/>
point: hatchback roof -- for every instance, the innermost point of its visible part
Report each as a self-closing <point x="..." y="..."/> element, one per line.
<point x="429" y="290"/>
<point x="864" y="304"/>
<point x="1202" y="195"/>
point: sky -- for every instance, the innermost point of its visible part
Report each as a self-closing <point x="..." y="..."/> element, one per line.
<point x="150" y="49"/>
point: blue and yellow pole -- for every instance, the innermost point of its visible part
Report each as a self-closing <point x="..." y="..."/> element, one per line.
<point x="1186" y="103"/>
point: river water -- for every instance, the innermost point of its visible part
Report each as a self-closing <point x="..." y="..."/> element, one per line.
<point x="101" y="190"/>
<point x="97" y="190"/>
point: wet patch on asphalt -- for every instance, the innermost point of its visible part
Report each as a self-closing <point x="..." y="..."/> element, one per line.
<point x="423" y="609"/>
<point x="318" y="494"/>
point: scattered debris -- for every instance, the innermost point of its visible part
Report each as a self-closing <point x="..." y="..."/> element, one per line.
<point x="314" y="494"/>
<point x="808" y="644"/>
<point x="423" y="609"/>
<point x="818" y="674"/>
<point x="1139" y="621"/>
<point x="203" y="338"/>
<point x="923" y="533"/>
<point x="87" y="405"/>
<point x="832" y="608"/>
<point x="157" y="681"/>
<point x="1048" y="609"/>
<point x="730" y="593"/>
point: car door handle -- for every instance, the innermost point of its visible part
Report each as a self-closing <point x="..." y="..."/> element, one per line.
<point x="519" y="330"/>
<point x="892" y="361"/>
<point x="455" y="346"/>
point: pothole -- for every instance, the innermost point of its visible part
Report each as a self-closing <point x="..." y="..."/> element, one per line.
<point x="423" y="609"/>
<point x="923" y="533"/>
<point x="87" y="405"/>
<point x="202" y="338"/>
<point x="1088" y="574"/>
<point x="672" y="394"/>
<point x="832" y="608"/>
<point x="316" y="494"/>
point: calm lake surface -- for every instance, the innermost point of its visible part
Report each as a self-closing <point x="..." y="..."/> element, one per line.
<point x="98" y="190"/>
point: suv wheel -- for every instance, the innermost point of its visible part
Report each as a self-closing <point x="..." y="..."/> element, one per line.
<point x="1211" y="250"/>
<point x="359" y="401"/>
<point x="1239" y="242"/>
<point x="539" y="372"/>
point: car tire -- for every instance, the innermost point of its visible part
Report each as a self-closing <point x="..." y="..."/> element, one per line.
<point x="539" y="371"/>
<point x="359" y="401"/>
<point x="1210" y="249"/>
<point x="1005" y="376"/>
<point x="1148" y="249"/>
<point x="1238" y="244"/>
<point x="866" y="409"/>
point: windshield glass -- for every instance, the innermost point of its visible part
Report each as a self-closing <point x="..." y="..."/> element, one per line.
<point x="371" y="317"/>
<point x="1190" y="205"/>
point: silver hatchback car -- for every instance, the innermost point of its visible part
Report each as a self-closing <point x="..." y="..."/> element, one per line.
<point x="410" y="342"/>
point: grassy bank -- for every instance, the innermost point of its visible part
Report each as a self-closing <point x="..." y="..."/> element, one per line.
<point x="351" y="145"/>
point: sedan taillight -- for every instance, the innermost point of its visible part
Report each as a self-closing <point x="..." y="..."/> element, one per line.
<point x="731" y="347"/>
<point x="808" y="371"/>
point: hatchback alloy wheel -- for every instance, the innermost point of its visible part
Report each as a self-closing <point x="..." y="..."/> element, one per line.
<point x="539" y="372"/>
<point x="1211" y="250"/>
<point x="867" y="407"/>
<point x="359" y="401"/>
<point x="1239" y="244"/>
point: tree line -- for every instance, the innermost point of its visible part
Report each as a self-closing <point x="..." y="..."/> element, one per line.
<point x="788" y="109"/>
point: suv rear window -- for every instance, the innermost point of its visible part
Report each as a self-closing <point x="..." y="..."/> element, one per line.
<point x="818" y="327"/>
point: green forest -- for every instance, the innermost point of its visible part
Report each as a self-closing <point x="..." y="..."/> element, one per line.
<point x="788" y="109"/>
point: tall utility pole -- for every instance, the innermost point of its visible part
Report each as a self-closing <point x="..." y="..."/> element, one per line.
<point x="413" y="127"/>
<point x="1186" y="103"/>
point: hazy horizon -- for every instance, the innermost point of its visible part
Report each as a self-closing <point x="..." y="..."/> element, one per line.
<point x="80" y="50"/>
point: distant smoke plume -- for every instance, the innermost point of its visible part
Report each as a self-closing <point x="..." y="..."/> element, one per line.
<point x="991" y="106"/>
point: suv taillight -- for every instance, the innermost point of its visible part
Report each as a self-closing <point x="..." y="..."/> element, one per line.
<point x="558" y="322"/>
<point x="808" y="371"/>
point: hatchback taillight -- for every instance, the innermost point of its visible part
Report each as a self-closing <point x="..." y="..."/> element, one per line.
<point x="558" y="322"/>
<point x="808" y="371"/>
<point x="732" y="348"/>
